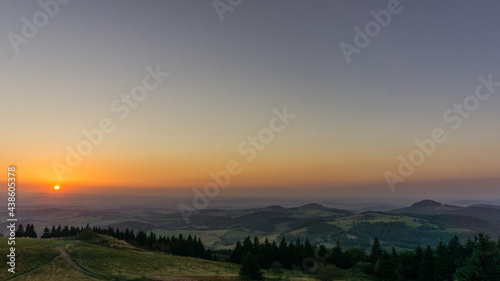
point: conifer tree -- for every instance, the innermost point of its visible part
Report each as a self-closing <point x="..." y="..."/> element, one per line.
<point x="385" y="270"/>
<point x="376" y="252"/>
<point x="20" y="231"/>
<point x="46" y="233"/>
<point x="250" y="270"/>
<point x="426" y="271"/>
<point x="483" y="264"/>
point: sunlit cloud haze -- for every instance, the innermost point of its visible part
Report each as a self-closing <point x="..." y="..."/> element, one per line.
<point x="353" y="120"/>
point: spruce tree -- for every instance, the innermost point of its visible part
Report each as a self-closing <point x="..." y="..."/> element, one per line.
<point x="426" y="271"/>
<point x="59" y="231"/>
<point x="250" y="269"/>
<point x="456" y="253"/>
<point x="237" y="254"/>
<point x="53" y="232"/>
<point x="20" y="231"/>
<point x="32" y="232"/>
<point x="443" y="263"/>
<point x="483" y="264"/>
<point x="376" y="252"/>
<point x="29" y="231"/>
<point x="337" y="258"/>
<point x="385" y="270"/>
<point x="46" y="233"/>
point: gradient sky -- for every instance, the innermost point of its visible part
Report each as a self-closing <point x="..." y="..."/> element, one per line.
<point x="353" y="120"/>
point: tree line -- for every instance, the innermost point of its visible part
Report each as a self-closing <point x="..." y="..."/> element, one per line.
<point x="288" y="255"/>
<point x="477" y="259"/>
<point x="181" y="246"/>
<point x="28" y="232"/>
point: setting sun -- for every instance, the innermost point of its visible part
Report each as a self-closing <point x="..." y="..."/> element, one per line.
<point x="56" y="187"/>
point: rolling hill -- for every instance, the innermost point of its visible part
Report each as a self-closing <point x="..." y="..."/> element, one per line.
<point x="429" y="207"/>
<point x="425" y="222"/>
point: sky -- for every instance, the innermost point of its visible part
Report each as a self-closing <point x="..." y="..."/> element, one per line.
<point x="232" y="73"/>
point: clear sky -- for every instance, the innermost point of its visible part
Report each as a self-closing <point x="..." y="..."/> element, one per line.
<point x="353" y="120"/>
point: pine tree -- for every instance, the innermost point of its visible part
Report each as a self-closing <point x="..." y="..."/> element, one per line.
<point x="282" y="252"/>
<point x="443" y="268"/>
<point x="65" y="231"/>
<point x="323" y="252"/>
<point x="299" y="253"/>
<point x="408" y="265"/>
<point x="484" y="262"/>
<point x="456" y="254"/>
<point x="141" y="238"/>
<point x="309" y="250"/>
<point x="151" y="240"/>
<point x="376" y="252"/>
<point x="394" y="256"/>
<point x="53" y="232"/>
<point x="265" y="255"/>
<point x="337" y="258"/>
<point x="353" y="256"/>
<point x="59" y="231"/>
<point x="250" y="270"/>
<point x="290" y="257"/>
<point x="46" y="233"/>
<point x="385" y="270"/>
<point x="237" y="254"/>
<point x="426" y="271"/>
<point x="256" y="245"/>
<point x="20" y="231"/>
<point x="247" y="246"/>
<point x="30" y="231"/>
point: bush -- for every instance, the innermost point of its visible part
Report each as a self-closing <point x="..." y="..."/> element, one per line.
<point x="276" y="267"/>
<point x="329" y="273"/>
<point x="363" y="267"/>
<point x="87" y="235"/>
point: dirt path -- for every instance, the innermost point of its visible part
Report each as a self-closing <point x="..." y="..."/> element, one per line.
<point x="68" y="258"/>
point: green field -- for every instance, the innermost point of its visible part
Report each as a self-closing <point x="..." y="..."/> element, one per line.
<point x="347" y="222"/>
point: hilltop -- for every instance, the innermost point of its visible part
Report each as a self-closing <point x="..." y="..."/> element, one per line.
<point x="430" y="207"/>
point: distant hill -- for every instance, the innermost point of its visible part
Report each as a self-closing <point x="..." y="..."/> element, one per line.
<point x="487" y="212"/>
<point x="425" y="207"/>
<point x="430" y="207"/>
<point x="423" y="223"/>
<point x="426" y="204"/>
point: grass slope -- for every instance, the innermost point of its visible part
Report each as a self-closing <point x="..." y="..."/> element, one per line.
<point x="39" y="259"/>
<point x="135" y="264"/>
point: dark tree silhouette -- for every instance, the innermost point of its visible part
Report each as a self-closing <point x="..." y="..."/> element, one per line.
<point x="250" y="270"/>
